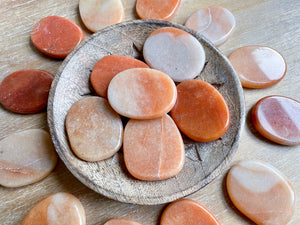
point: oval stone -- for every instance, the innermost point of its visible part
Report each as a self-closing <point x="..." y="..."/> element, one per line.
<point x="215" y="23"/>
<point x="26" y="157"/>
<point x="258" y="66"/>
<point x="277" y="118"/>
<point x="200" y="112"/>
<point x="157" y="9"/>
<point x="108" y="67"/>
<point x="26" y="91"/>
<point x="97" y="14"/>
<point x="187" y="212"/>
<point x="56" y="36"/>
<point x="121" y="221"/>
<point x="94" y="129"/>
<point x="174" y="52"/>
<point x="153" y="149"/>
<point x="142" y="93"/>
<point x="60" y="208"/>
<point x="261" y="192"/>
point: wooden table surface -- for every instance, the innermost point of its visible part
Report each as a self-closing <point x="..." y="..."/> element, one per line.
<point x="274" y="23"/>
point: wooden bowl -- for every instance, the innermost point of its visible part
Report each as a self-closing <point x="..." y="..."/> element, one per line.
<point x="204" y="161"/>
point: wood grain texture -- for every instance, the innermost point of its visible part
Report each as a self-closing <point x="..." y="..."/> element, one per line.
<point x="204" y="161"/>
<point x="269" y="22"/>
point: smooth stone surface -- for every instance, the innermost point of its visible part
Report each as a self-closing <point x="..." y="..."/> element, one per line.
<point x="108" y="67"/>
<point x="215" y="23"/>
<point x="56" y="36"/>
<point x="121" y="221"/>
<point x="174" y="52"/>
<point x="258" y="66"/>
<point x="57" y="209"/>
<point x="142" y="93"/>
<point x="200" y="112"/>
<point x="261" y="192"/>
<point x="26" y="157"/>
<point x="153" y="149"/>
<point x="97" y="14"/>
<point x="26" y="91"/>
<point x="187" y="212"/>
<point x="94" y="130"/>
<point x="277" y="118"/>
<point x="157" y="9"/>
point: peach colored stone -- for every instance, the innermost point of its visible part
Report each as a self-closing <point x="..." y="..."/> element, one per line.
<point x="153" y="149"/>
<point x="121" y="221"/>
<point x="142" y="93"/>
<point x="200" y="112"/>
<point x="108" y="67"/>
<point x="157" y="9"/>
<point x="277" y="118"/>
<point x="26" y="157"/>
<point x="215" y="23"/>
<point x="95" y="131"/>
<point x="26" y="91"/>
<point x="258" y="66"/>
<point x="187" y="212"/>
<point x="57" y="209"/>
<point x="174" y="52"/>
<point x="261" y="192"/>
<point x="97" y="14"/>
<point x="56" y="36"/>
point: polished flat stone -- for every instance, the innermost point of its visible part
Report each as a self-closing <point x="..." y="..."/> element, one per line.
<point x="200" y="112"/>
<point x="26" y="157"/>
<point x="26" y="91"/>
<point x="97" y="14"/>
<point x="215" y="23"/>
<point x="60" y="208"/>
<point x="261" y="192"/>
<point x="142" y="93"/>
<point x="157" y="9"/>
<point x="187" y="212"/>
<point x="258" y="66"/>
<point x="277" y="118"/>
<point x="108" y="67"/>
<point x="174" y="52"/>
<point x="153" y="149"/>
<point x="94" y="129"/>
<point x="56" y="36"/>
<point x="121" y="221"/>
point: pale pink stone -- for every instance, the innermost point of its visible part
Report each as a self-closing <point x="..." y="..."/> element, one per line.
<point x="215" y="23"/>
<point x="261" y="192"/>
<point x="26" y="157"/>
<point x="121" y="221"/>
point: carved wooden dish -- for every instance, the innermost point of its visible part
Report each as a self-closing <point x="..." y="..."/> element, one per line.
<point x="204" y="161"/>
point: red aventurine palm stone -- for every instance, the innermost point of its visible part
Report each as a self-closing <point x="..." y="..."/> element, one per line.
<point x="121" y="221"/>
<point x="258" y="66"/>
<point x="153" y="149"/>
<point x="200" y="112"/>
<point x="26" y="91"/>
<point x="187" y="212"/>
<point x="142" y="93"/>
<point x="56" y="36"/>
<point x="108" y="67"/>
<point x="157" y="9"/>
<point x="277" y="118"/>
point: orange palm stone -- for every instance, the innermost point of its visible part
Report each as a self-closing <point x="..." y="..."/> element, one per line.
<point x="108" y="67"/>
<point x="153" y="149"/>
<point x="56" y="36"/>
<point x="142" y="93"/>
<point x="277" y="118"/>
<point x="200" y="112"/>
<point x="187" y="212"/>
<point x="258" y="66"/>
<point x="157" y="9"/>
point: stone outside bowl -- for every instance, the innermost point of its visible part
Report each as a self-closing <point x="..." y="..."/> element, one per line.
<point x="203" y="162"/>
